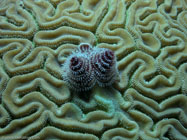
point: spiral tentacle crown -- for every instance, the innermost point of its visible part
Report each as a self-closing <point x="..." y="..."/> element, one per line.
<point x="87" y="65"/>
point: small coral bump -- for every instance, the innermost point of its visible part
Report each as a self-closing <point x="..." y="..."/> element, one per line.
<point x="103" y="62"/>
<point x="78" y="73"/>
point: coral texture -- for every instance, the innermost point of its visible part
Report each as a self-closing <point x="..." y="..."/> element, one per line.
<point x="149" y="40"/>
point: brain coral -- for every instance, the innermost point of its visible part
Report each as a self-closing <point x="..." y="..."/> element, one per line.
<point x="149" y="40"/>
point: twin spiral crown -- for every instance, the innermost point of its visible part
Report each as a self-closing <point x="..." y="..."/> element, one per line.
<point x="88" y="66"/>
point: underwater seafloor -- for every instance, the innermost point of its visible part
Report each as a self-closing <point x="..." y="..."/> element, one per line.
<point x="149" y="38"/>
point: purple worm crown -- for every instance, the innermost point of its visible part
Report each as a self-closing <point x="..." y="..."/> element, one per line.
<point x="88" y="65"/>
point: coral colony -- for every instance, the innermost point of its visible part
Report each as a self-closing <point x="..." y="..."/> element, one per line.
<point x="87" y="66"/>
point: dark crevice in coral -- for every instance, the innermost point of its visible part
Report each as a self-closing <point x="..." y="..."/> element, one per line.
<point x="73" y="129"/>
<point x="159" y="2"/>
<point x="99" y="135"/>
<point x="181" y="61"/>
<point x="148" y="78"/>
<point x="174" y="115"/>
<point x="100" y="20"/>
<point x="131" y="73"/>
<point x="33" y="16"/>
<point x="31" y="39"/>
<point x="37" y="89"/>
<point x="166" y="136"/>
<point x="129" y="3"/>
<point x="85" y="96"/>
<point x="10" y="117"/>
<point x="37" y="130"/>
<point x="31" y="111"/>
<point x="11" y="75"/>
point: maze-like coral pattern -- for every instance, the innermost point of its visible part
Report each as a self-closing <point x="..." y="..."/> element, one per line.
<point x="149" y="38"/>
